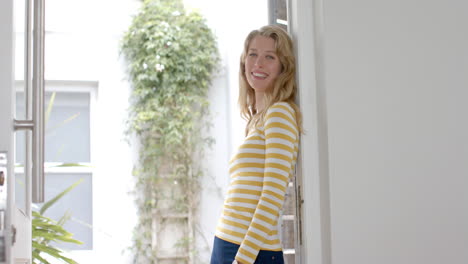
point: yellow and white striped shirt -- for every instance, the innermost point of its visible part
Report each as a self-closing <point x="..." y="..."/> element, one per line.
<point x="260" y="172"/>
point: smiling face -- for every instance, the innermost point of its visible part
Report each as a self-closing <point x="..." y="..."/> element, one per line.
<point x="262" y="64"/>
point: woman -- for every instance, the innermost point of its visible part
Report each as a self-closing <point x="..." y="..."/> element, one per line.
<point x="248" y="230"/>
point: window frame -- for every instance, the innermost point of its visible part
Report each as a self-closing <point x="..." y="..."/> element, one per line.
<point x="91" y="88"/>
<point x="73" y="86"/>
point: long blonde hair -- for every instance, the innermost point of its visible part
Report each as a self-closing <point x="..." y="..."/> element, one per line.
<point x="284" y="88"/>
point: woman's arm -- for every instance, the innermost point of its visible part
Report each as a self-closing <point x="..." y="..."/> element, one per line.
<point x="280" y="137"/>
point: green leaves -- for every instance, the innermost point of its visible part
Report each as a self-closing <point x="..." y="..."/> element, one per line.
<point x="171" y="56"/>
<point x="46" y="230"/>
<point x="51" y="202"/>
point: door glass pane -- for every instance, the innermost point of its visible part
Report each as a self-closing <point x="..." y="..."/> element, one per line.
<point x="77" y="202"/>
<point x="20" y="178"/>
<point x="279" y="16"/>
<point x="67" y="134"/>
<point x="288" y="236"/>
<point x="19" y="18"/>
<point x="20" y="136"/>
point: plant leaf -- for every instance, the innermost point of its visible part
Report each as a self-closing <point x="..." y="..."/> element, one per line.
<point x="37" y="256"/>
<point x="51" y="202"/>
<point x="50" y="105"/>
<point x="63" y="122"/>
<point x="52" y="252"/>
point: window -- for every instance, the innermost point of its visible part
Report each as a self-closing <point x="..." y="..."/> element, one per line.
<point x="67" y="155"/>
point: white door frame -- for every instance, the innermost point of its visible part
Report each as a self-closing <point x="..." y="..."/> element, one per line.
<point x="6" y="119"/>
<point x="16" y="223"/>
<point x="307" y="31"/>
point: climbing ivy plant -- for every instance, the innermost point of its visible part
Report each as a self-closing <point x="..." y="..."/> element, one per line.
<point x="171" y="56"/>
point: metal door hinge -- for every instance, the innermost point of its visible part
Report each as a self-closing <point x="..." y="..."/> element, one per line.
<point x="300" y="201"/>
<point x="2" y="178"/>
<point x="13" y="234"/>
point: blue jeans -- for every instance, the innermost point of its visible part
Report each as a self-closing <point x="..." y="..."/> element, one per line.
<point x="224" y="253"/>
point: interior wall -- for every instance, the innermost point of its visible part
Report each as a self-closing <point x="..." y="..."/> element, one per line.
<point x="396" y="81"/>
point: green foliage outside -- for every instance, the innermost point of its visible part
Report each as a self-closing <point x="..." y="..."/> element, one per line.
<point x="171" y="55"/>
<point x="46" y="230"/>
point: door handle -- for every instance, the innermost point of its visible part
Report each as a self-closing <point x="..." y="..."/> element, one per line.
<point x="38" y="102"/>
<point x="36" y="123"/>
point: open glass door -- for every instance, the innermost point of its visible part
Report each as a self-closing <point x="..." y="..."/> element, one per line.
<point x="21" y="178"/>
<point x="291" y="233"/>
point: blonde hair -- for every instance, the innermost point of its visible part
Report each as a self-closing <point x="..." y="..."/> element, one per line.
<point x="284" y="88"/>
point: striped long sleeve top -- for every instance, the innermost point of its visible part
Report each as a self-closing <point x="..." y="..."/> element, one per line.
<point x="260" y="173"/>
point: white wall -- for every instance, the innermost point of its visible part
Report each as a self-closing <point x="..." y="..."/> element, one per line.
<point x="397" y="87"/>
